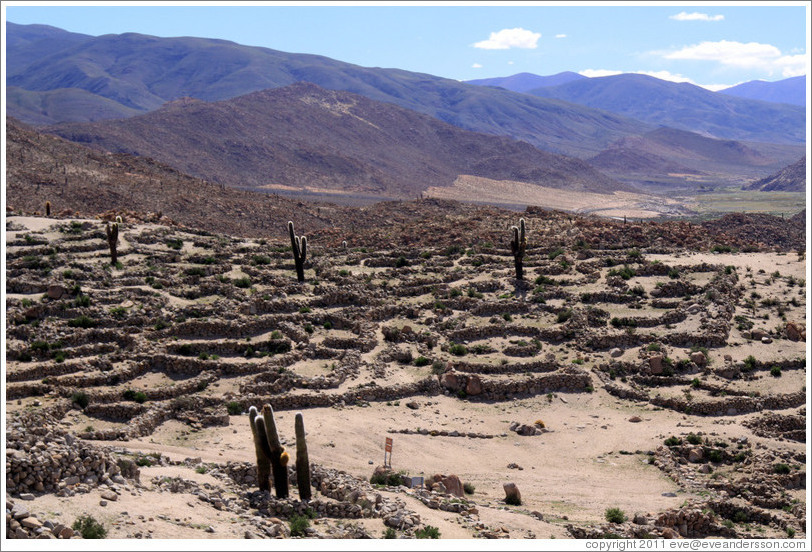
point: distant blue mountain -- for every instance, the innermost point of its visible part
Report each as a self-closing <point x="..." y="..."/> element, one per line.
<point x="685" y="106"/>
<point x="789" y="91"/>
<point x="524" y="82"/>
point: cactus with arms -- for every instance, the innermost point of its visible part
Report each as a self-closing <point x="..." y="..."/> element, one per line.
<point x="112" y="241"/>
<point x="302" y="461"/>
<point x="518" y="245"/>
<point x="299" y="246"/>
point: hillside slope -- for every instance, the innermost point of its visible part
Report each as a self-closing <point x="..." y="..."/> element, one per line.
<point x="306" y="137"/>
<point x="788" y="179"/>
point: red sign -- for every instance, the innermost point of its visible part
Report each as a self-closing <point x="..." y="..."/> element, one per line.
<point x="388" y="444"/>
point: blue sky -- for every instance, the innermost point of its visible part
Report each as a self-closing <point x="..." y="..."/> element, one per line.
<point x="709" y="44"/>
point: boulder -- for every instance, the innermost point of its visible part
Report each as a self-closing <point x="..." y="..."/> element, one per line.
<point x="698" y="358"/>
<point x="616" y="352"/>
<point x="695" y="455"/>
<point x="655" y="364"/>
<point x="757" y="333"/>
<point x="56" y="291"/>
<point x="451" y="381"/>
<point x="795" y="332"/>
<point x="512" y="494"/>
<point x="452" y="484"/>
<point x="766" y="340"/>
<point x="474" y="385"/>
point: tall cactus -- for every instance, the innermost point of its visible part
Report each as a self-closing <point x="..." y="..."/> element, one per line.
<point x="112" y="241"/>
<point x="302" y="461"/>
<point x="278" y="467"/>
<point x="47" y="208"/>
<point x="261" y="447"/>
<point x="299" y="246"/>
<point x="518" y="245"/>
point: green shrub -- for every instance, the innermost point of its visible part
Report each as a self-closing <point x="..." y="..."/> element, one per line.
<point x="401" y="262"/>
<point x="653" y="347"/>
<point x="750" y="363"/>
<point x="740" y="516"/>
<point x="80" y="398"/>
<point x="390" y="533"/>
<point x="615" y="515"/>
<point x="458" y="349"/>
<point x="201" y="469"/>
<point x="298" y="525"/>
<point x="775" y="371"/>
<point x="672" y="441"/>
<point x="781" y="469"/>
<point x="693" y="438"/>
<point x="137" y="396"/>
<point x="564" y="315"/>
<point x="715" y="456"/>
<point x="82" y="322"/>
<point x="468" y="488"/>
<point x="175" y="243"/>
<point x="243" y="282"/>
<point x="89" y="528"/>
<point x="427" y="532"/>
<point x="82" y="301"/>
<point x="421" y="361"/>
<point x="234" y="408"/>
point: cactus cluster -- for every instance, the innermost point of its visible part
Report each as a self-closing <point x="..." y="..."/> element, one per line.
<point x="112" y="240"/>
<point x="518" y="245"/>
<point x="299" y="247"/>
<point x="272" y="459"/>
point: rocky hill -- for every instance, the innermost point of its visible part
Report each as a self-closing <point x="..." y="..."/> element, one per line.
<point x="306" y="137"/>
<point x="788" y="179"/>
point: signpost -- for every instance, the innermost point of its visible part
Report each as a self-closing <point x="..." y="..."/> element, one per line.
<point x="387" y="451"/>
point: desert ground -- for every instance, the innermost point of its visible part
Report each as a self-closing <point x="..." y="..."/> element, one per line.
<point x="668" y="383"/>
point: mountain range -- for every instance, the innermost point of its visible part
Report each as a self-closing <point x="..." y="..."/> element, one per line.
<point x="243" y="116"/>
<point x="686" y="107"/>
<point x="141" y="73"/>
<point x="578" y="116"/>
<point x="336" y="142"/>
<point x="525" y="82"/>
<point x="789" y="91"/>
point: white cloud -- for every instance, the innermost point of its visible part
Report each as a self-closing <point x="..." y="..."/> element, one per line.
<point x="561" y="36"/>
<point x="476" y="66"/>
<point x="750" y="55"/>
<point x="696" y="16"/>
<point x="510" y="38"/>
<point x="662" y="75"/>
<point x="510" y="63"/>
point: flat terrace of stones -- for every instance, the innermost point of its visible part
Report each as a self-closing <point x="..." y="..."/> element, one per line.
<point x="192" y="327"/>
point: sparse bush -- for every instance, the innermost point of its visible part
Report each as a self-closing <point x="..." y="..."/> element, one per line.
<point x="299" y="525"/>
<point x="80" y="398"/>
<point x="615" y="515"/>
<point x="750" y="363"/>
<point x="234" y="408"/>
<point x="775" y="371"/>
<point x="564" y="315"/>
<point x="468" y="488"/>
<point x="458" y="349"/>
<point x="242" y="282"/>
<point x="421" y="361"/>
<point x="427" y="532"/>
<point x="89" y="528"/>
<point x="82" y="321"/>
<point x="693" y="438"/>
<point x="390" y="533"/>
<point x="672" y="441"/>
<point x="781" y="469"/>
